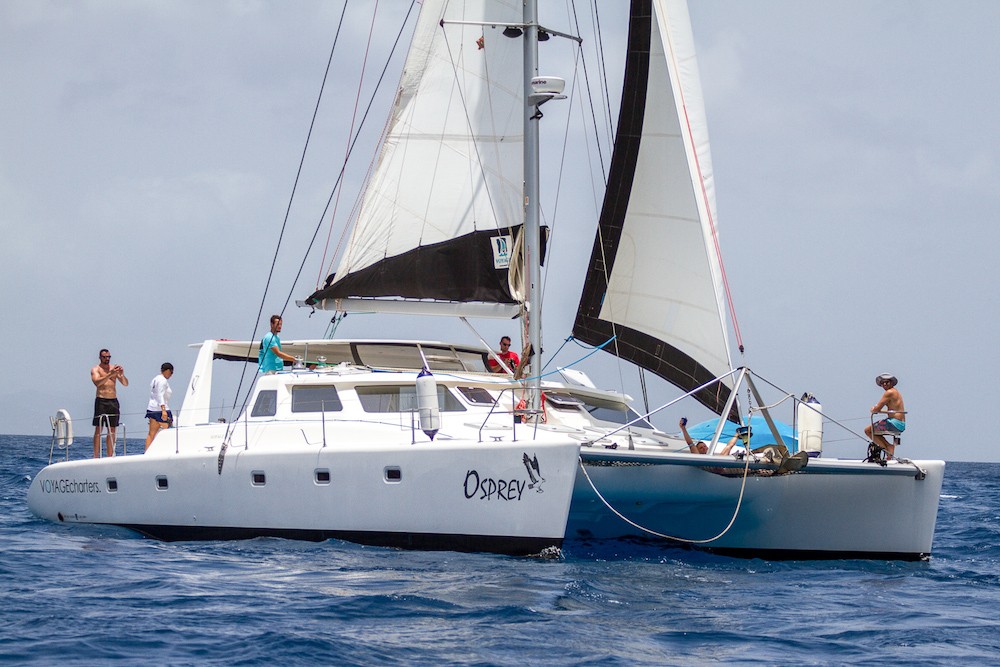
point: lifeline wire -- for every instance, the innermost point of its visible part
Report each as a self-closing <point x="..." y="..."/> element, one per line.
<point x="732" y="520"/>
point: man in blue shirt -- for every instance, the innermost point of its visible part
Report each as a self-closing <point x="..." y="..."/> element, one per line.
<point x="271" y="357"/>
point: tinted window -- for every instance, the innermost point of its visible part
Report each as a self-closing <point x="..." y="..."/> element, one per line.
<point x="403" y="398"/>
<point x="319" y="398"/>
<point x="562" y="401"/>
<point x="610" y="411"/>
<point x="476" y="395"/>
<point x="266" y="404"/>
<point x="407" y="355"/>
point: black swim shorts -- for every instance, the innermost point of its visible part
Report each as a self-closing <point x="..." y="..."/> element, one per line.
<point x="109" y="407"/>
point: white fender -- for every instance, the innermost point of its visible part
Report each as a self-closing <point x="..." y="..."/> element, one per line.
<point x="62" y="428"/>
<point x="810" y="425"/>
<point x="427" y="404"/>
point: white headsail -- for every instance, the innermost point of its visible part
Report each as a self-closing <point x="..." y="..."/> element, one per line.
<point x="655" y="277"/>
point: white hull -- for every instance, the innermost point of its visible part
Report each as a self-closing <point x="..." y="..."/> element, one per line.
<point x="362" y="470"/>
<point x="830" y="509"/>
<point x="466" y="496"/>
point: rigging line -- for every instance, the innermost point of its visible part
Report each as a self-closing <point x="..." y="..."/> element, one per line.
<point x="594" y="189"/>
<point x="642" y="383"/>
<point x="648" y="415"/>
<point x="544" y="375"/>
<point x="826" y="417"/>
<point x="288" y="210"/>
<point x="562" y="166"/>
<point x="556" y="353"/>
<point x="493" y="123"/>
<point x="590" y="99"/>
<point x="605" y="90"/>
<point x="705" y="201"/>
<point x="350" y="133"/>
<point x="358" y="200"/>
<point x="468" y="121"/>
<point x="343" y="167"/>
<point x="600" y="233"/>
<point x="736" y="512"/>
<point x="761" y="408"/>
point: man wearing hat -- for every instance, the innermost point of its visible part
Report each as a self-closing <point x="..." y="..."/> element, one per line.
<point x="892" y="403"/>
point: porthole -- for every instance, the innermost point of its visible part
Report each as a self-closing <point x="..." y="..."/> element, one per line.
<point x="258" y="478"/>
<point x="393" y="474"/>
<point x="112" y="484"/>
<point x="161" y="482"/>
<point x="322" y="476"/>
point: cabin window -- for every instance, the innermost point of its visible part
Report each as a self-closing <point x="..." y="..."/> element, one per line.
<point x="563" y="402"/>
<point x="258" y="478"/>
<point x="477" y="395"/>
<point x="403" y="398"/>
<point x="266" y="404"/>
<point x="393" y="474"/>
<point x="161" y="482"/>
<point x="112" y="484"/>
<point x="322" y="476"/>
<point x="316" y="398"/>
<point x="612" y="411"/>
<point x="408" y="355"/>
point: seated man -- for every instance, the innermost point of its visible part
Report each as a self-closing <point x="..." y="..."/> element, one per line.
<point x="891" y="403"/>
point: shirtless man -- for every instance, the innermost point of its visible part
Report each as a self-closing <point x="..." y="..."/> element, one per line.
<point x="892" y="403"/>
<point x="106" y="408"/>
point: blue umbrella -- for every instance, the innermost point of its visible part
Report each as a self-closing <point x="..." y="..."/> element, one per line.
<point x="761" y="433"/>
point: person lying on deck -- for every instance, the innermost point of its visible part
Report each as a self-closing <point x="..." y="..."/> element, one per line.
<point x="699" y="447"/>
<point x="695" y="447"/>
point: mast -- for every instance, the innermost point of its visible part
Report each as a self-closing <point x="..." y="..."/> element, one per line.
<point x="532" y="246"/>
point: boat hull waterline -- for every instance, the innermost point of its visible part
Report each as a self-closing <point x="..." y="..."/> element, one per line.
<point x="831" y="509"/>
<point x="435" y="496"/>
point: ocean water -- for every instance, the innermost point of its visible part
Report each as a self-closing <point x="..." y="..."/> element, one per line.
<point x="79" y="595"/>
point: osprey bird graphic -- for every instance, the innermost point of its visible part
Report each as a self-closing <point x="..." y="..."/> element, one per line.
<point x="531" y="465"/>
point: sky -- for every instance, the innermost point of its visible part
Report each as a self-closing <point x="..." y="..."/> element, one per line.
<point x="148" y="152"/>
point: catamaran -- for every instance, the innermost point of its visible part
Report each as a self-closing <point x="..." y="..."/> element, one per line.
<point x="417" y="444"/>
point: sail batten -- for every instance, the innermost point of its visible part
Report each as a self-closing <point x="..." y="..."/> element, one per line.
<point x="654" y="279"/>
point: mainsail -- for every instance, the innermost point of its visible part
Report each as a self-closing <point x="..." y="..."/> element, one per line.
<point x="655" y="278"/>
<point x="442" y="212"/>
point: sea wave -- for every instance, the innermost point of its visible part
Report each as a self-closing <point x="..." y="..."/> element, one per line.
<point x="86" y="594"/>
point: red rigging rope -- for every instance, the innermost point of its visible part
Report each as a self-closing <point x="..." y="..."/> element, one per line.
<point x="715" y="242"/>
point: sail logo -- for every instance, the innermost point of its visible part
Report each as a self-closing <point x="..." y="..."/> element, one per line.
<point x="482" y="487"/>
<point x="69" y="486"/>
<point x="502" y="247"/>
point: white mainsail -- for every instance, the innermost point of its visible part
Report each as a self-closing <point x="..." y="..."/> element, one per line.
<point x="655" y="279"/>
<point x="448" y="184"/>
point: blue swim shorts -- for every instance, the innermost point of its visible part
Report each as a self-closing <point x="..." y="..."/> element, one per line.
<point x="894" y="425"/>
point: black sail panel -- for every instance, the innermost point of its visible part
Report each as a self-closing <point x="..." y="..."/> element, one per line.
<point x="461" y="269"/>
<point x="635" y="346"/>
